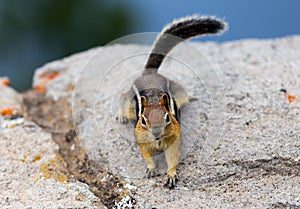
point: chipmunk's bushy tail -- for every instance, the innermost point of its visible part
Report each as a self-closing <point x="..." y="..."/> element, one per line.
<point x="178" y="31"/>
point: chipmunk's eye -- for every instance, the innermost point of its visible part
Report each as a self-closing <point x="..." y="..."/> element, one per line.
<point x="167" y="118"/>
<point x="144" y="121"/>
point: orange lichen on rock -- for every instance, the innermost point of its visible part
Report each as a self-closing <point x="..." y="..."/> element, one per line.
<point x="40" y="88"/>
<point x="39" y="156"/>
<point x="8" y="111"/>
<point x="46" y="77"/>
<point x="55" y="169"/>
<point x="291" y="98"/>
<point x="52" y="75"/>
<point x="5" y="82"/>
<point x="49" y="75"/>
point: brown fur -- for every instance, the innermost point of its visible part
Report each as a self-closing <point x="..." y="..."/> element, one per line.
<point x="169" y="142"/>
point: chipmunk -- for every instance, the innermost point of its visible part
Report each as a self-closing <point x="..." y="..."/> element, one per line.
<point x="154" y="102"/>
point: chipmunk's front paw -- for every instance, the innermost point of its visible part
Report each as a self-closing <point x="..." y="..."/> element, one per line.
<point x="171" y="181"/>
<point x="151" y="173"/>
<point x="121" y="118"/>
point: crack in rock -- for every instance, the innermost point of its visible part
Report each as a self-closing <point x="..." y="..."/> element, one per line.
<point x="276" y="165"/>
<point x="284" y="206"/>
<point x="55" y="117"/>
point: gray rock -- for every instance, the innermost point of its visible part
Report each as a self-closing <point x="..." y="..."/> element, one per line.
<point x="240" y="139"/>
<point x="32" y="173"/>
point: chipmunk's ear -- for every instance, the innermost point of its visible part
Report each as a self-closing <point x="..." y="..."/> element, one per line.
<point x="144" y="101"/>
<point x="164" y="101"/>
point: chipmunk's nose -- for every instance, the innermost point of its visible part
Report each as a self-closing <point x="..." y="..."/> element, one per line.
<point x="156" y="131"/>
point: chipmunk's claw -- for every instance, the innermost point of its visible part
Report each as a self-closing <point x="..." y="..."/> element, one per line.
<point x="171" y="182"/>
<point x="151" y="173"/>
<point x="121" y="119"/>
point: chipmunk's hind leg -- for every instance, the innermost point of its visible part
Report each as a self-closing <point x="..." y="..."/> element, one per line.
<point x="127" y="108"/>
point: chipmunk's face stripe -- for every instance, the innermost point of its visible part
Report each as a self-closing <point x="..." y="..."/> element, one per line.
<point x="144" y="121"/>
<point x="172" y="109"/>
<point x="167" y="119"/>
<point x="177" y="112"/>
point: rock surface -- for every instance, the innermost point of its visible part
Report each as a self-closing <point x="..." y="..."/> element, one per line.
<point x="240" y="139"/>
<point x="32" y="172"/>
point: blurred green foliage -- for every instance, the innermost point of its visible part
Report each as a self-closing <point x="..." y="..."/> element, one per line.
<point x="36" y="31"/>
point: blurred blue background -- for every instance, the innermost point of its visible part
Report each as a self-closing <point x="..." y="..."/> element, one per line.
<point x="34" y="32"/>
